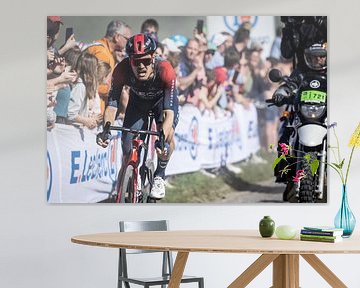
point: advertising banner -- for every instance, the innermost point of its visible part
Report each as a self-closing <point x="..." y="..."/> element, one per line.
<point x="80" y="171"/>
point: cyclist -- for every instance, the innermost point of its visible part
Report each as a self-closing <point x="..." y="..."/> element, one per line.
<point x="152" y="87"/>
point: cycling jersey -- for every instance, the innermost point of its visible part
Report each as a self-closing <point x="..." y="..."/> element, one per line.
<point x="157" y="94"/>
<point x="146" y="93"/>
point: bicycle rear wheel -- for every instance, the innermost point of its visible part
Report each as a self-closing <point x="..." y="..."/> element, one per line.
<point x="127" y="189"/>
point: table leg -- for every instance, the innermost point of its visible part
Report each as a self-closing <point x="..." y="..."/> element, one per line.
<point x="286" y="271"/>
<point x="253" y="270"/>
<point x="178" y="269"/>
<point x="324" y="271"/>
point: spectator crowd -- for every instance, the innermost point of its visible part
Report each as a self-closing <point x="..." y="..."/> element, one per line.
<point x="213" y="74"/>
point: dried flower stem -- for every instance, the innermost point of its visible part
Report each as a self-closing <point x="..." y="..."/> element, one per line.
<point x="340" y="172"/>
<point x="354" y="141"/>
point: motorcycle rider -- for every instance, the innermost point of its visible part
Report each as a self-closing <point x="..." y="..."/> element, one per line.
<point x="299" y="33"/>
<point x="315" y="59"/>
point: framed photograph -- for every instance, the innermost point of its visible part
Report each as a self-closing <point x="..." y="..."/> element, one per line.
<point x="186" y="109"/>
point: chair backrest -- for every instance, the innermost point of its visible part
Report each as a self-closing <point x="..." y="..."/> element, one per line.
<point x="133" y="226"/>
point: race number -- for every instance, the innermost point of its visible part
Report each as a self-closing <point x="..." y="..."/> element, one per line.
<point x="313" y="96"/>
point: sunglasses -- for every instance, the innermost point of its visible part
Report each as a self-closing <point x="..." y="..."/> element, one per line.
<point x="122" y="35"/>
<point x="138" y="62"/>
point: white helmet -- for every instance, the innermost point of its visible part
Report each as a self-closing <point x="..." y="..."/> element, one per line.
<point x="316" y="57"/>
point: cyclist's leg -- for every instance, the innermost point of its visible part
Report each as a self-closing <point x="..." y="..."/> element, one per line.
<point x="134" y="119"/>
<point x="163" y="161"/>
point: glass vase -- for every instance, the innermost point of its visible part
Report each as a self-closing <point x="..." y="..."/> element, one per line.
<point x="266" y="227"/>
<point x="345" y="219"/>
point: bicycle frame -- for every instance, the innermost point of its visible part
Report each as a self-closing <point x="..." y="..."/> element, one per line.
<point x="134" y="159"/>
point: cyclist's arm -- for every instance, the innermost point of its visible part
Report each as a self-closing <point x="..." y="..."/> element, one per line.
<point x="167" y="124"/>
<point x="110" y="114"/>
<point x="168" y="77"/>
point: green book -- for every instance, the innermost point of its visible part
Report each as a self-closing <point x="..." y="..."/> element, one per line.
<point x="328" y="240"/>
<point x="319" y="236"/>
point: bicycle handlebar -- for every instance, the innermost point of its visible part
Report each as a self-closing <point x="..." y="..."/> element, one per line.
<point x="160" y="134"/>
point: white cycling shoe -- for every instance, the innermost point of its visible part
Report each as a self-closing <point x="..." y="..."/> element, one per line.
<point x="158" y="188"/>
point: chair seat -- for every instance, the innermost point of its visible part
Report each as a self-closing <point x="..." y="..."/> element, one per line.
<point x="158" y="280"/>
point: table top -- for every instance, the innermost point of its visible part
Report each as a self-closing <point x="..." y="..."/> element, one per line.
<point x="216" y="241"/>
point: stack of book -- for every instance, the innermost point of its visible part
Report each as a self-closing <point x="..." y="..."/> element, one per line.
<point x="321" y="234"/>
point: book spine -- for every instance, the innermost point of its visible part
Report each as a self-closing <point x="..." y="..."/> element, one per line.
<point x="318" y="239"/>
<point x="319" y="236"/>
<point x="320" y="233"/>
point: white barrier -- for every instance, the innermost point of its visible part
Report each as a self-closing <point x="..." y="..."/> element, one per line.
<point x="203" y="142"/>
<point x="79" y="171"/>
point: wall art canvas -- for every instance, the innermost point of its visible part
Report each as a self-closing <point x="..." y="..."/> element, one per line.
<point x="186" y="109"/>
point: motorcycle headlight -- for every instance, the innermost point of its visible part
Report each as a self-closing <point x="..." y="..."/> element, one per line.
<point x="312" y="111"/>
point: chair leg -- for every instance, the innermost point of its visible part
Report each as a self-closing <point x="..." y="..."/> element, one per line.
<point x="201" y="283"/>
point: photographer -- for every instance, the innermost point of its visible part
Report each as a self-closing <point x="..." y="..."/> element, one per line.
<point x="299" y="33"/>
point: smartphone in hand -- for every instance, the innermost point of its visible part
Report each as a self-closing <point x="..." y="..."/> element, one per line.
<point x="68" y="33"/>
<point x="200" y="26"/>
<point x="235" y="76"/>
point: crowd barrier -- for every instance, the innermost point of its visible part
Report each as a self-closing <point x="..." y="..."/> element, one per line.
<point x="80" y="171"/>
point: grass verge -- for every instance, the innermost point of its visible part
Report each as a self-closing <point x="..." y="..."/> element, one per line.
<point x="199" y="188"/>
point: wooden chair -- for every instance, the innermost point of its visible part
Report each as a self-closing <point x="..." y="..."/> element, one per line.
<point x="167" y="262"/>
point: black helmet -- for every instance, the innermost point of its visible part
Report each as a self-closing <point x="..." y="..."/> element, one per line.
<point x="315" y="57"/>
<point x="140" y="44"/>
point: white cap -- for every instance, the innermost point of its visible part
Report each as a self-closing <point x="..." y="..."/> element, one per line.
<point x="218" y="39"/>
<point x="170" y="44"/>
<point x="256" y="46"/>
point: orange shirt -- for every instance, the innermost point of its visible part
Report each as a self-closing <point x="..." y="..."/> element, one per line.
<point x="103" y="53"/>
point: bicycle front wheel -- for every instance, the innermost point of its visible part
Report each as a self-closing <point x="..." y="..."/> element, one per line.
<point x="150" y="168"/>
<point x="127" y="189"/>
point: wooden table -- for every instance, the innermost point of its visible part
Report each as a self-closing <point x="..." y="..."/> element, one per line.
<point x="284" y="254"/>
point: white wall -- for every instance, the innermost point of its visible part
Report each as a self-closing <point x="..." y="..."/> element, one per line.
<point x="35" y="248"/>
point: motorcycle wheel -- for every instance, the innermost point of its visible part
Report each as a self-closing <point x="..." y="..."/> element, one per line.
<point x="307" y="185"/>
<point x="289" y="194"/>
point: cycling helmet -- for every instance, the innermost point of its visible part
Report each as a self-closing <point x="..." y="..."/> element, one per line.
<point x="315" y="57"/>
<point x="140" y="44"/>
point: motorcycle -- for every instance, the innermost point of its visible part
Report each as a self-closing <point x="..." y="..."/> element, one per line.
<point x="304" y="130"/>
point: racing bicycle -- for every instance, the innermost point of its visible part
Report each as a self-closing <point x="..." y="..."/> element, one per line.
<point x="138" y="176"/>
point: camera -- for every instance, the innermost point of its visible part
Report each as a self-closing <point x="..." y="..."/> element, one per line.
<point x="292" y="19"/>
